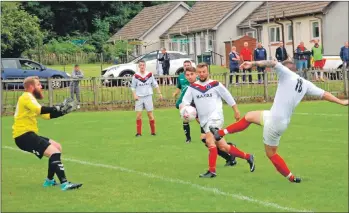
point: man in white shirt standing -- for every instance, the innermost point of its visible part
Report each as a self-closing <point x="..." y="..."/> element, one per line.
<point x="142" y="87"/>
<point x="207" y="95"/>
<point x="290" y="91"/>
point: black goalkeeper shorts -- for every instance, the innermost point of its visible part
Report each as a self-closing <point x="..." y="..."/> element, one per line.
<point x="33" y="143"/>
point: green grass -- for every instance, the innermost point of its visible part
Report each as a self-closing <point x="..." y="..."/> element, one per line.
<point x="315" y="146"/>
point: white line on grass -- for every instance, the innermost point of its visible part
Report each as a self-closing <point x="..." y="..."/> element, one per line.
<point x="320" y="114"/>
<point x="150" y="175"/>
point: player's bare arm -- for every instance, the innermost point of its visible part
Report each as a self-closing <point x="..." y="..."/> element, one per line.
<point x="176" y="92"/>
<point x="331" y="98"/>
<point x="264" y="63"/>
<point x="159" y="92"/>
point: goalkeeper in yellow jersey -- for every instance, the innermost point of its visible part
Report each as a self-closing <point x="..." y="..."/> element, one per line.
<point x="25" y="130"/>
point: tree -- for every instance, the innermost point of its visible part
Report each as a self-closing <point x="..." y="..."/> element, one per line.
<point x="20" y="31"/>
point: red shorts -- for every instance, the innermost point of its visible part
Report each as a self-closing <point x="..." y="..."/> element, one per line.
<point x="320" y="64"/>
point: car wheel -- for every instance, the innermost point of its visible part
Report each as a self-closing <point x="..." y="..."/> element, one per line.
<point x="126" y="82"/>
<point x="56" y="84"/>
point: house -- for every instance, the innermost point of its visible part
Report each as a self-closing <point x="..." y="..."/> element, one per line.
<point x="206" y="27"/>
<point x="144" y="30"/>
<point x="299" y="21"/>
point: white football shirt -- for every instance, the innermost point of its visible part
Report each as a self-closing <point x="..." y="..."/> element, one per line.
<point x="290" y="91"/>
<point x="143" y="84"/>
<point x="207" y="97"/>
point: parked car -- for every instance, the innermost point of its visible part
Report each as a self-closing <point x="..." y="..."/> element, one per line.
<point x="335" y="64"/>
<point x="20" y="68"/>
<point x="129" y="69"/>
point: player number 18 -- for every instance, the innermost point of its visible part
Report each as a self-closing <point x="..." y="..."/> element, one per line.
<point x="299" y="85"/>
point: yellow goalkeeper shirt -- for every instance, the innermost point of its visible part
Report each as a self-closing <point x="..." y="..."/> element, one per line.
<point x="27" y="110"/>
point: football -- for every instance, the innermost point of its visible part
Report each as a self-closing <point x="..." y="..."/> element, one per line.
<point x="188" y="113"/>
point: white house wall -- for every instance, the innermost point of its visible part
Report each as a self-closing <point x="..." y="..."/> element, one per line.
<point x="228" y="29"/>
<point x="336" y="25"/>
<point x="303" y="35"/>
<point x="153" y="36"/>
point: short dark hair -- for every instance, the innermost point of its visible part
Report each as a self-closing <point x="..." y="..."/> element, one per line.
<point x="202" y="64"/>
<point x="187" y="61"/>
<point x="141" y="61"/>
<point x="189" y="69"/>
<point x="76" y="65"/>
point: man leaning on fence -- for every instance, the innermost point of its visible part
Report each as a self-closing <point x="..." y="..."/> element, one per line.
<point x="344" y="54"/>
<point x="260" y="54"/>
<point x="302" y="59"/>
<point x="74" y="85"/>
<point x="234" y="59"/>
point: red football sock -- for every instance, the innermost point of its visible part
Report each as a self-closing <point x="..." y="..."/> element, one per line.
<point x="139" y="126"/>
<point x="212" y="158"/>
<point x="238" y="153"/>
<point x="235" y="127"/>
<point x="152" y="126"/>
<point x="280" y="165"/>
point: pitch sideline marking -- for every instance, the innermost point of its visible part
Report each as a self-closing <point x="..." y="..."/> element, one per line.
<point x="319" y="114"/>
<point x="150" y="175"/>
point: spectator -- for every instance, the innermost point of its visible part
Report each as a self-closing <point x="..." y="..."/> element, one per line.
<point x="165" y="59"/>
<point x="246" y="55"/>
<point x="344" y="54"/>
<point x="74" y="85"/>
<point x="281" y="53"/>
<point x="316" y="53"/>
<point x="302" y="58"/>
<point x="260" y="54"/>
<point x="234" y="59"/>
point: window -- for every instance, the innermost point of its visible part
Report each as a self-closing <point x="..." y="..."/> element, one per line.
<point x="149" y="57"/>
<point x="274" y="34"/>
<point x="250" y="33"/>
<point x="178" y="56"/>
<point x="162" y="43"/>
<point x="315" y="29"/>
<point x="289" y="32"/>
<point x="29" y="65"/>
<point x="208" y="42"/>
<point x="9" y="63"/>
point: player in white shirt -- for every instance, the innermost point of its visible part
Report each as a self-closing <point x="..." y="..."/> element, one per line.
<point x="207" y="95"/>
<point x="142" y="87"/>
<point x="290" y="91"/>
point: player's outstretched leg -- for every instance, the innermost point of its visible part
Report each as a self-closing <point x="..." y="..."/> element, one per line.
<point x="56" y="167"/>
<point x="280" y="164"/>
<point x="242" y="124"/>
<point x="186" y="128"/>
<point x="229" y="160"/>
<point x="234" y="151"/>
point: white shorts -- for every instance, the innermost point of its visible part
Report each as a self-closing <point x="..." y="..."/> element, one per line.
<point x="217" y="123"/>
<point x="272" y="129"/>
<point x="145" y="102"/>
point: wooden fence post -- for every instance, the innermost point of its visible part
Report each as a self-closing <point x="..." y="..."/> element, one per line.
<point x="227" y="76"/>
<point x="50" y="91"/>
<point x="345" y="79"/>
<point x="265" y="86"/>
<point x="2" y="96"/>
<point x="95" y="90"/>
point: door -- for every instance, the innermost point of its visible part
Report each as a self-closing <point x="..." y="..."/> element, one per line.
<point x="31" y="68"/>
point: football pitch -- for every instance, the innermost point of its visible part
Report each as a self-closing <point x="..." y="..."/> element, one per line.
<point x="161" y="173"/>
